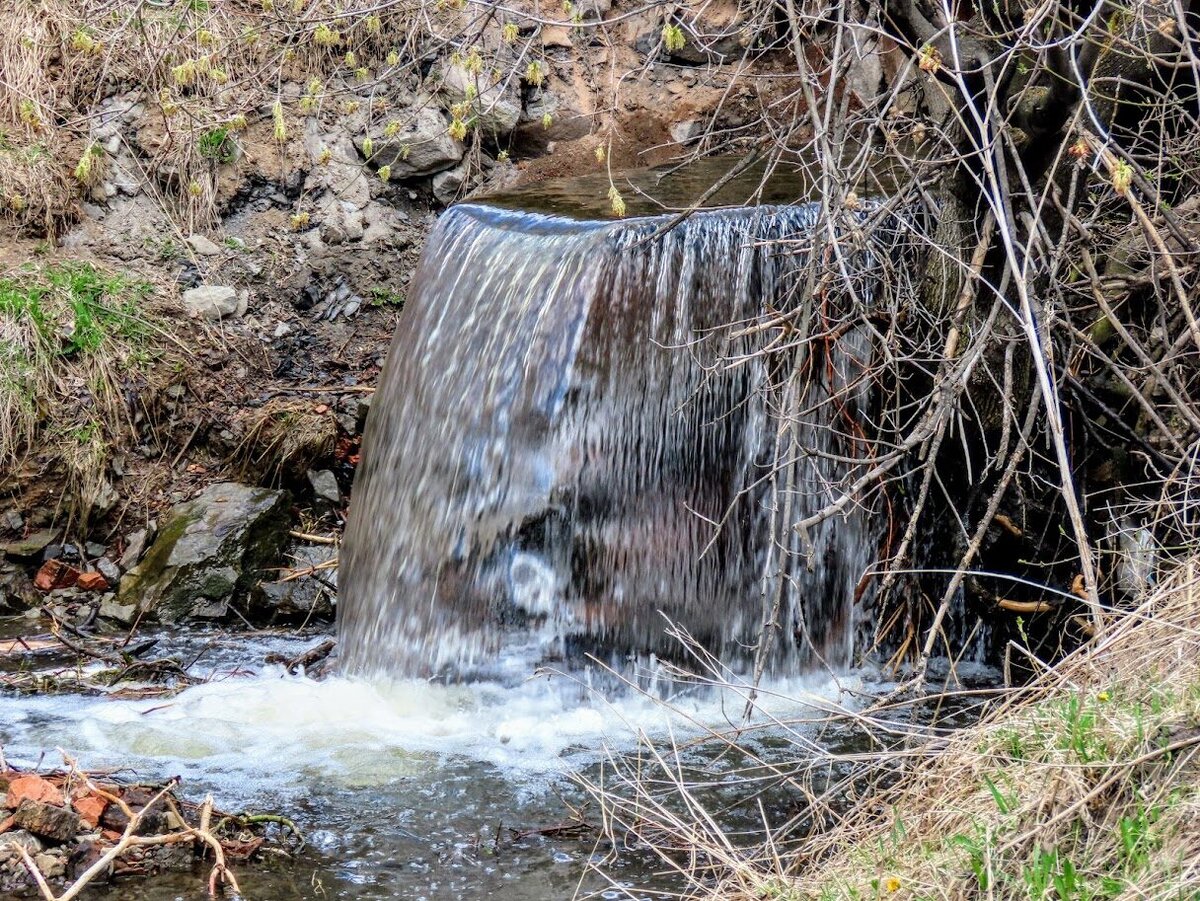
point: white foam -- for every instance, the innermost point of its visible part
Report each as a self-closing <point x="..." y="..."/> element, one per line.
<point x="271" y="730"/>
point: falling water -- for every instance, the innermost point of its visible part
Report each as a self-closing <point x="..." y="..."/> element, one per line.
<point x="574" y="444"/>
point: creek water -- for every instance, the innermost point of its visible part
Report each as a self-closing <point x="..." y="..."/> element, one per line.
<point x="402" y="788"/>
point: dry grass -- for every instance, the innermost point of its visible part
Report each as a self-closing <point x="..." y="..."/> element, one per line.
<point x="78" y="347"/>
<point x="285" y="437"/>
<point x="1082" y="785"/>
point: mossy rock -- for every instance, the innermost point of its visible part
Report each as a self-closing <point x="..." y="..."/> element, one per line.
<point x="210" y="550"/>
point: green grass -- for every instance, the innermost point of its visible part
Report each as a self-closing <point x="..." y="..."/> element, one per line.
<point x="73" y="339"/>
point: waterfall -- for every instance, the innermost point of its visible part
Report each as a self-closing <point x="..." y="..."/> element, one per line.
<point x="574" y="443"/>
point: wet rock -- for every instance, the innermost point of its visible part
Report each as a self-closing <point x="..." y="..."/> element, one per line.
<point x="111" y="608"/>
<point x="308" y="595"/>
<point x="208" y="549"/>
<point x="31" y="546"/>
<point x="135" y="546"/>
<point x="422" y="146"/>
<point x="47" y="821"/>
<point x="325" y="486"/>
<point x="211" y="301"/>
<point x="203" y="246"/>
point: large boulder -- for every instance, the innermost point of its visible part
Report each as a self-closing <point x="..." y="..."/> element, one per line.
<point x="421" y="146"/>
<point x="208" y="550"/>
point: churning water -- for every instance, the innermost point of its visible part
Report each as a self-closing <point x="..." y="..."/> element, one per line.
<point x="588" y="430"/>
<point x="404" y="789"/>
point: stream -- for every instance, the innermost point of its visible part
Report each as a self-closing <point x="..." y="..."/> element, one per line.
<point x="402" y="789"/>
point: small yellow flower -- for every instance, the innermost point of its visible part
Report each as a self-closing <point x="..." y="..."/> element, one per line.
<point x="385" y="172"/>
<point x="82" y="42"/>
<point x="324" y="36"/>
<point x="617" y="201"/>
<point x="218" y="76"/>
<point x="457" y="129"/>
<point x="184" y="73"/>
<point x="16" y="203"/>
<point x="206" y="37"/>
<point x="324" y="156"/>
<point x="673" y="38"/>
<point x="268" y="5"/>
<point x="368" y="147"/>
<point x="392" y="129"/>
<point x="280" y="125"/>
<point x="600" y="154"/>
<point x="502" y="156"/>
<point x="238" y="122"/>
<point x="547" y="120"/>
<point x="930" y="60"/>
<point x="1122" y="177"/>
<point x="299" y="221"/>
<point x="351" y="59"/>
<point x="1103" y="696"/>
<point x="892" y="884"/>
<point x="510" y="32"/>
<point x="393" y="58"/>
<point x="194" y="188"/>
<point x="373" y="24"/>
<point x="534" y="74"/>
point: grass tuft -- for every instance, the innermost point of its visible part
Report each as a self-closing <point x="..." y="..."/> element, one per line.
<point x="76" y="342"/>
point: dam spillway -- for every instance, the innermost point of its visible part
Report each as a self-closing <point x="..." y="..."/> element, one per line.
<point x="576" y="441"/>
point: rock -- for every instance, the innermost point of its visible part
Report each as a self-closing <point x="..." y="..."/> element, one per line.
<point x="495" y="110"/>
<point x="32" y="787"/>
<point x="52" y="866"/>
<point x="94" y="549"/>
<point x="203" y="246"/>
<point x="135" y="546"/>
<point x="556" y="36"/>
<point x="325" y="486"/>
<point x="110" y="608"/>
<point x="20" y="839"/>
<point x="31" y="546"/>
<point x="55" y="574"/>
<point x="14" y="520"/>
<point x="308" y="595"/>
<point x="92" y="581"/>
<point x="447" y="185"/>
<point x="422" y="146"/>
<point x="570" y="118"/>
<point x="16" y="591"/>
<point x="282" y="330"/>
<point x="47" y="821"/>
<point x="109" y="570"/>
<point x="208" y="549"/>
<point x="687" y="132"/>
<point x="211" y="301"/>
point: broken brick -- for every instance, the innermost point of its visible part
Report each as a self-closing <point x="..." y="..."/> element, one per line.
<point x="32" y="787"/>
<point x="92" y="581"/>
<point x="90" y="808"/>
<point x="55" y="574"/>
